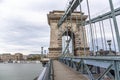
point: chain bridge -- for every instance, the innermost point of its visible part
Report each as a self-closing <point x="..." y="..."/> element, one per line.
<point x="79" y="47"/>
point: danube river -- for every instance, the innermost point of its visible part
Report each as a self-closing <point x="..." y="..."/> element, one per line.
<point x="20" y="71"/>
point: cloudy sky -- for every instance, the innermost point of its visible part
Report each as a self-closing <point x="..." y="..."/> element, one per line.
<point x="23" y="23"/>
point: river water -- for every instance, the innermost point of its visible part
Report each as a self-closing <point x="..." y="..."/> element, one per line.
<point x="20" y="71"/>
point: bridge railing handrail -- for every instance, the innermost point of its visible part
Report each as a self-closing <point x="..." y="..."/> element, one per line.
<point x="47" y="73"/>
<point x="110" y="57"/>
<point x="83" y="63"/>
<point x="41" y="77"/>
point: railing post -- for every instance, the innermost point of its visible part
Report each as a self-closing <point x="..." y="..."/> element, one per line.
<point x="117" y="68"/>
<point x="82" y="66"/>
<point x="51" y="71"/>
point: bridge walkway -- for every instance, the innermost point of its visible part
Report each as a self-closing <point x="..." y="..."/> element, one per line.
<point x="63" y="72"/>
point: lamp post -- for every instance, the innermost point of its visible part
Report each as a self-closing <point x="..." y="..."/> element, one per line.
<point x="109" y="44"/>
<point x="42" y="51"/>
<point x="45" y="51"/>
<point x="97" y="50"/>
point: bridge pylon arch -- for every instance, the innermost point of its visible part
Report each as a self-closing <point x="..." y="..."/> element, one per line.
<point x="55" y="48"/>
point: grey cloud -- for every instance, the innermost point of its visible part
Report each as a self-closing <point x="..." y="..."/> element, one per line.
<point x="46" y="5"/>
<point x="20" y="32"/>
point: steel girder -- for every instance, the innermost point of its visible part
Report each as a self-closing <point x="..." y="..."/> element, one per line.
<point x="72" y="6"/>
<point x="109" y="63"/>
<point x="103" y="16"/>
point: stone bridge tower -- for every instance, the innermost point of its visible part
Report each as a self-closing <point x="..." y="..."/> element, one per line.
<point x="56" y="33"/>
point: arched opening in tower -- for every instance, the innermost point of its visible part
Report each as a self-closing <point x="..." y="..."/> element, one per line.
<point x="68" y="43"/>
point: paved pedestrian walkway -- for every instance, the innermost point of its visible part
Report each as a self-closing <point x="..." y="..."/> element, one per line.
<point x="63" y="72"/>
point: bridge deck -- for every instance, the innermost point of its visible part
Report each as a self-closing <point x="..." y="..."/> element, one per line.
<point x="62" y="72"/>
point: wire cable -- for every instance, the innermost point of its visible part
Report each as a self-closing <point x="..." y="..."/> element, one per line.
<point x="72" y="36"/>
<point x="96" y="37"/>
<point x="83" y="34"/>
<point x="105" y="42"/>
<point x="89" y="15"/>
<point x="101" y="35"/>
<point x="112" y="33"/>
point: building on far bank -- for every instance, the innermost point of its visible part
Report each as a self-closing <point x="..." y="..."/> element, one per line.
<point x="34" y="57"/>
<point x="6" y="57"/>
<point x="24" y="57"/>
<point x="12" y="57"/>
<point x="18" y="56"/>
<point x="0" y="57"/>
<point x="9" y="57"/>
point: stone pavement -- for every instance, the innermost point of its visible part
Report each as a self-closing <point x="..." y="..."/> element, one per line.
<point x="63" y="72"/>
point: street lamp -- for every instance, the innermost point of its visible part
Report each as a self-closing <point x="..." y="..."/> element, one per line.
<point x="45" y="51"/>
<point x="42" y="51"/>
<point x="109" y="43"/>
<point x="97" y="50"/>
